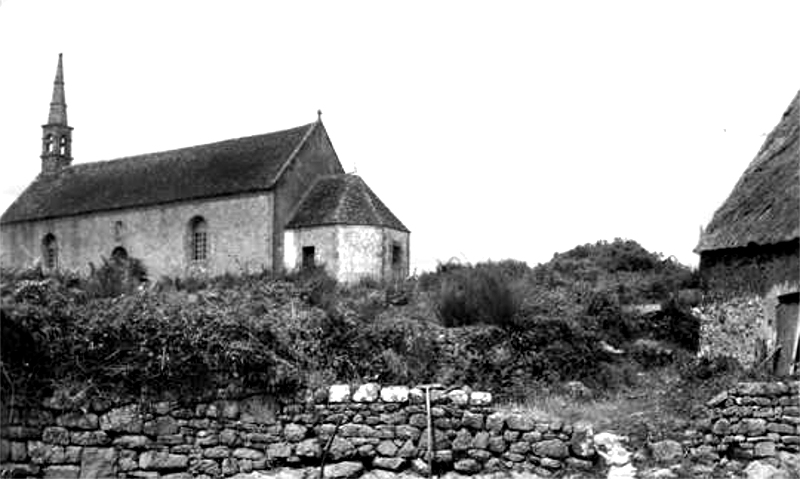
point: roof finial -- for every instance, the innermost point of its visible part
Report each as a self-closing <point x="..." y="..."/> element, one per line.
<point x="319" y="115"/>
<point x="58" y="105"/>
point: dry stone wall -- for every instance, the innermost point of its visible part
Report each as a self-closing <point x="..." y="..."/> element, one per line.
<point x="356" y="429"/>
<point x="751" y="420"/>
<point x="736" y="328"/>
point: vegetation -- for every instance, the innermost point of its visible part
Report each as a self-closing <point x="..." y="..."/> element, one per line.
<point x="500" y="325"/>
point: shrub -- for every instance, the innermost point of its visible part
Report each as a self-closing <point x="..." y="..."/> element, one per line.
<point x="115" y="276"/>
<point x="470" y="295"/>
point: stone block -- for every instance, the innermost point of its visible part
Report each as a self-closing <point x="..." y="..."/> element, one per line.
<point x="395" y="394"/>
<point x="781" y="428"/>
<point x="98" y="463"/>
<point x="754" y="427"/>
<point x="132" y="441"/>
<point x="367" y="393"/>
<point x="497" y="444"/>
<point x="407" y="450"/>
<point x="472" y="420"/>
<point x="62" y="472"/>
<point x="462" y="441"/>
<point x="407" y="432"/>
<point x="230" y="466"/>
<point x="387" y="449"/>
<point x="294" y="432"/>
<point x="248" y="453"/>
<point x="160" y="460"/>
<point x="78" y="420"/>
<point x="764" y="449"/>
<point x="309" y="448"/>
<point x="341" y="449"/>
<point x="55" y="435"/>
<point x="418" y="420"/>
<point x="481" y="440"/>
<point x="479" y="454"/>
<point x="343" y="470"/>
<point x="220" y="452"/>
<point x="721" y="427"/>
<point x="388" y="463"/>
<point x="467" y="466"/>
<point x="480" y="398"/>
<point x="339" y="393"/>
<point x="123" y="419"/>
<point x="90" y="438"/>
<point x="582" y="441"/>
<point x="459" y="397"/>
<point x="553" y="448"/>
<point x="520" y="422"/>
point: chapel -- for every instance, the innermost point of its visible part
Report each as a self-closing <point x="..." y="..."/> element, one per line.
<point x="278" y="201"/>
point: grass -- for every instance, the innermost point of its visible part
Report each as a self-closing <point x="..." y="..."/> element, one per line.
<point x="653" y="408"/>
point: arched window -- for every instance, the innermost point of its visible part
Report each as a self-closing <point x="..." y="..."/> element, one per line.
<point x="119" y="254"/>
<point x="48" y="144"/>
<point x="50" y="251"/>
<point x="198" y="239"/>
<point x="62" y="146"/>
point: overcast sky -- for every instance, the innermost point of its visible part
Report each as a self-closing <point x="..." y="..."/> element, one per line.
<point x="492" y="130"/>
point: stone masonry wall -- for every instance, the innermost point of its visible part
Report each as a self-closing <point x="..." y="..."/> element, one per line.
<point x="751" y="420"/>
<point x="737" y="328"/>
<point x="369" y="428"/>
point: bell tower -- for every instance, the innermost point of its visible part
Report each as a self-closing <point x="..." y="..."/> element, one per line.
<point x="57" y="134"/>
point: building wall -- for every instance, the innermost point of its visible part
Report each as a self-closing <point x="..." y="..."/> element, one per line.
<point x="750" y="270"/>
<point x="239" y="235"/>
<point x="316" y="158"/>
<point x="350" y="252"/>
<point x="739" y="318"/>
<point x="324" y="240"/>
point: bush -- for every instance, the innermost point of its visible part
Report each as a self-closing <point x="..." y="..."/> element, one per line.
<point x="115" y="277"/>
<point x="474" y="295"/>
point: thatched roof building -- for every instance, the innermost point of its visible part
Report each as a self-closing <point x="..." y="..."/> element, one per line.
<point x="752" y="241"/>
<point x="764" y="206"/>
<point x="750" y="257"/>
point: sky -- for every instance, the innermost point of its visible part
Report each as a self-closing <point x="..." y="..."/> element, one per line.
<point x="493" y="130"/>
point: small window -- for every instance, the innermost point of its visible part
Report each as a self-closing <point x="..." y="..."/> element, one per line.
<point x="119" y="254"/>
<point x="119" y="228"/>
<point x="308" y="257"/>
<point x="63" y="145"/>
<point x="48" y="144"/>
<point x="198" y="248"/>
<point x="50" y="251"/>
<point x="397" y="255"/>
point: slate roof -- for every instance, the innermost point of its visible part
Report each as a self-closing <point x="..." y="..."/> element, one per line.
<point x="228" y="167"/>
<point x="343" y="200"/>
<point x="764" y="206"/>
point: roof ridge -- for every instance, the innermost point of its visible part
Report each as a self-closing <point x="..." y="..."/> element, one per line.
<point x="144" y="156"/>
<point x="341" y="198"/>
<point x="366" y="189"/>
<point x="311" y="128"/>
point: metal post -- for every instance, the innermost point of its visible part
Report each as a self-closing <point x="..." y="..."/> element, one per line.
<point x="427" y="388"/>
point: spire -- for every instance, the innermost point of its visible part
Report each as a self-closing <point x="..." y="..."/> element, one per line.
<point x="58" y="105"/>
<point x="56" y="134"/>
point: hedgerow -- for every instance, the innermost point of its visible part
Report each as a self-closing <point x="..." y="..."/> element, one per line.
<point x="498" y="325"/>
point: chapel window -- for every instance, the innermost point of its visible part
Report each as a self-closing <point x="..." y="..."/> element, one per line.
<point x="50" y="251"/>
<point x="119" y="254"/>
<point x="397" y="255"/>
<point x="198" y="249"/>
<point x="308" y="257"/>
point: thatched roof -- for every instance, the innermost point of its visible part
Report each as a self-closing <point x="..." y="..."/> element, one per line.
<point x="343" y="200"/>
<point x="228" y="167"/>
<point x="764" y="206"/>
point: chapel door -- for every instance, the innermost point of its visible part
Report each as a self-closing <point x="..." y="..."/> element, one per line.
<point x="788" y="327"/>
